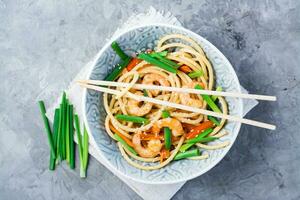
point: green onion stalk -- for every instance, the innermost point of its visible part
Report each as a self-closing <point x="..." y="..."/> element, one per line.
<point x="83" y="142"/>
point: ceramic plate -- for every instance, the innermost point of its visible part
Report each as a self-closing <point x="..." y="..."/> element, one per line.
<point x="140" y="39"/>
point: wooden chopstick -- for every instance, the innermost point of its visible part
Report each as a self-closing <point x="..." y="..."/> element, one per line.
<point x="180" y="90"/>
<point x="182" y="107"/>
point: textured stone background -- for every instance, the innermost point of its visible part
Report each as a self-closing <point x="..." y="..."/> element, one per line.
<point x="44" y="43"/>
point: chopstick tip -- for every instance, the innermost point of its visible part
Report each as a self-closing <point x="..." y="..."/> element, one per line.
<point x="79" y="81"/>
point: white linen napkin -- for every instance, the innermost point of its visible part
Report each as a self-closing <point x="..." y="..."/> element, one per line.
<point x="74" y="93"/>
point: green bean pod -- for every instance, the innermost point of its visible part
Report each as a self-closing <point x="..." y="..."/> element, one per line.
<point x="200" y="136"/>
<point x="196" y="74"/>
<point x="168" y="137"/>
<point x="157" y="63"/>
<point x="117" y="70"/>
<point x="187" y="154"/>
<point x="135" y="119"/>
<point x="115" y="46"/>
<point x="208" y="100"/>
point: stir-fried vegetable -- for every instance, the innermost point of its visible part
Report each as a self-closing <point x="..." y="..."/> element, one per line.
<point x="135" y="119"/>
<point x="214" y="120"/>
<point x="164" y="60"/>
<point x="214" y="97"/>
<point x="195" y="74"/>
<point x="126" y="60"/>
<point x="167" y="131"/>
<point x="157" y="62"/>
<point x="133" y="63"/>
<point x="185" y="69"/>
<point x="47" y="128"/>
<point x="165" y="114"/>
<point x="128" y="141"/>
<point x="206" y="139"/>
<point x="187" y="154"/>
<point x="200" y="136"/>
<point x="117" y="70"/>
<point x="124" y="144"/>
<point x="198" y="129"/>
<point x="208" y="100"/>
<point x="185" y="147"/>
<point x="115" y="46"/>
<point x="167" y="136"/>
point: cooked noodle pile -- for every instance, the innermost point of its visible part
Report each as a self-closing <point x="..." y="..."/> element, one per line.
<point x="148" y="139"/>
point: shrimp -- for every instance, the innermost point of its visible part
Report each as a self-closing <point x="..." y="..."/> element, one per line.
<point x="172" y="123"/>
<point x="186" y="99"/>
<point x="153" y="146"/>
<point x="150" y="79"/>
<point x="134" y="107"/>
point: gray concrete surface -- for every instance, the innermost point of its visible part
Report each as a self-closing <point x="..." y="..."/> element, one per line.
<point x="44" y="43"/>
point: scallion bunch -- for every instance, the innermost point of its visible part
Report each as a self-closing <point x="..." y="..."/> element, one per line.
<point x="61" y="137"/>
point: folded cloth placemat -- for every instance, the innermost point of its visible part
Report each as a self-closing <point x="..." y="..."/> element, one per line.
<point x="74" y="93"/>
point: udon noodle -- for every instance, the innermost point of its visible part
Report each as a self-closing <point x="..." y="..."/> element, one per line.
<point x="147" y="139"/>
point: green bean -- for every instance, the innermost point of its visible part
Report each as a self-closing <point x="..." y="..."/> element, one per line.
<point x="200" y="136"/>
<point x="157" y="62"/>
<point x="165" y="60"/>
<point x="202" y="140"/>
<point x="117" y="70"/>
<point x="207" y="139"/>
<point x="168" y="137"/>
<point x="214" y="97"/>
<point x="124" y="144"/>
<point x="165" y="114"/>
<point x="167" y="131"/>
<point x="134" y="119"/>
<point x="208" y="100"/>
<point x="187" y="154"/>
<point x="195" y="74"/>
<point x="115" y="46"/>
<point x="214" y="120"/>
<point x="185" y="147"/>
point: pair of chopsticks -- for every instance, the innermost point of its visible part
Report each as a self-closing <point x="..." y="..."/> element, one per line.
<point x="95" y="85"/>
